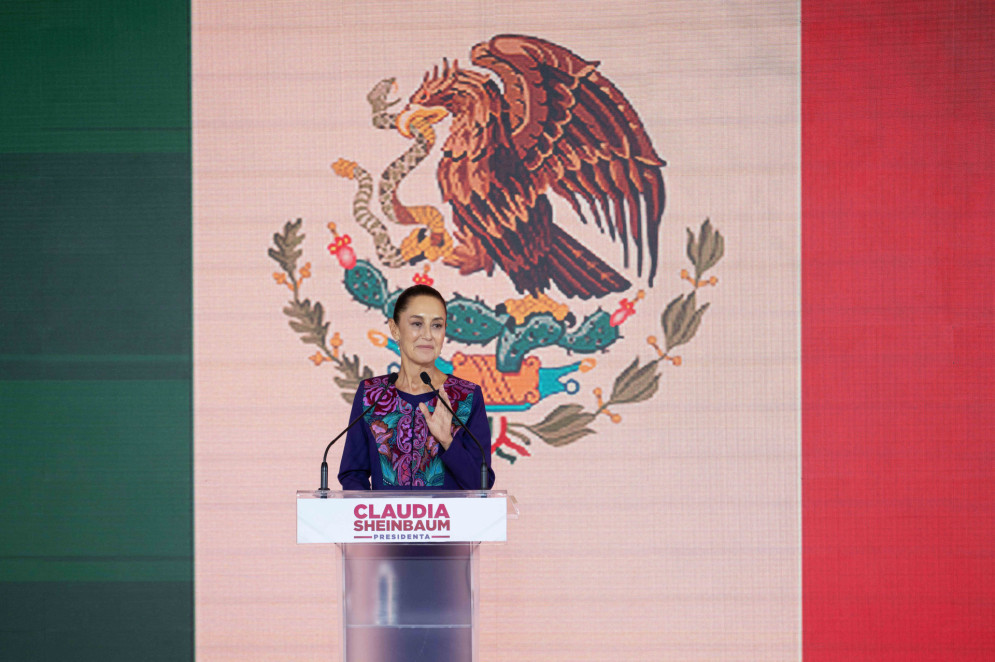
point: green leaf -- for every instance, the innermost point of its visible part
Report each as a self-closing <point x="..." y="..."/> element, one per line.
<point x="564" y="425"/>
<point x="705" y="251"/>
<point x="672" y="317"/>
<point x="351" y="375"/>
<point x="680" y="320"/>
<point x="691" y="327"/>
<point x="287" y="252"/>
<point x="624" y="376"/>
<point x="285" y="264"/>
<point x="316" y="338"/>
<point x="638" y="390"/>
<point x="300" y="309"/>
<point x="633" y="384"/>
<point x="692" y="248"/>
<point x="568" y="437"/>
<point x="308" y="320"/>
<point x="558" y="417"/>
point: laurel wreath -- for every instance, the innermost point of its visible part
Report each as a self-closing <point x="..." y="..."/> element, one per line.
<point x="308" y="319"/>
<point x="637" y="383"/>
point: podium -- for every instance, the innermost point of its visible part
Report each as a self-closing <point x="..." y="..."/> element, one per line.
<point x="410" y="588"/>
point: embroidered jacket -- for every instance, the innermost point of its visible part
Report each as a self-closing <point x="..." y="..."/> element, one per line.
<point x="392" y="448"/>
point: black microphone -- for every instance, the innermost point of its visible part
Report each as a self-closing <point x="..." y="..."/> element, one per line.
<point x="391" y="378"/>
<point x="483" y="458"/>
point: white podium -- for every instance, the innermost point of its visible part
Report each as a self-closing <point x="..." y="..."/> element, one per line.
<point x="410" y="567"/>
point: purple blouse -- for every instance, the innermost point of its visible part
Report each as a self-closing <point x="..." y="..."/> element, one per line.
<point x="392" y="448"/>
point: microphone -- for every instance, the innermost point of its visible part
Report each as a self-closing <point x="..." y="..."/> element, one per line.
<point x="483" y="460"/>
<point x="391" y="378"/>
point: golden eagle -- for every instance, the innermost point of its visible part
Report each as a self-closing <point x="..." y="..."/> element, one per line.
<point x="559" y="124"/>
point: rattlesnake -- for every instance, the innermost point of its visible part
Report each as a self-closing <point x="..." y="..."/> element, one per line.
<point x="424" y="138"/>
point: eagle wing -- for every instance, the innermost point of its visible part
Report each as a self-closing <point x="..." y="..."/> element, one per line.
<point x="577" y="134"/>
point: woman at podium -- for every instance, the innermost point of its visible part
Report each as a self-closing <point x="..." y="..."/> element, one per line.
<point x="408" y="439"/>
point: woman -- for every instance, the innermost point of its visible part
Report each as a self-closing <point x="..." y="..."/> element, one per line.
<point x="408" y="440"/>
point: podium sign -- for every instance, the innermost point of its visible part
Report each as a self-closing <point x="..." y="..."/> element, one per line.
<point x="410" y="586"/>
<point x="403" y="516"/>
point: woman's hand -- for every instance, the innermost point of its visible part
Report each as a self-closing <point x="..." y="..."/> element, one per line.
<point x="439" y="421"/>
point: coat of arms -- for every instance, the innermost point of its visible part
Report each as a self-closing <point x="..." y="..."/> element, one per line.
<point x="549" y="125"/>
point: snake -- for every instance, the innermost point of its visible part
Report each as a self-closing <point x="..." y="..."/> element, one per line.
<point x="390" y="179"/>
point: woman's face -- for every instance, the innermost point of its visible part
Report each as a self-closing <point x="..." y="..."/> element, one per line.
<point x="421" y="331"/>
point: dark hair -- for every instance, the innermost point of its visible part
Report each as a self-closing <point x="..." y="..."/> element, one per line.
<point x="415" y="291"/>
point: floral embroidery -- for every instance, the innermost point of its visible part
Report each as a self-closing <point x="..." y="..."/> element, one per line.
<point x="409" y="455"/>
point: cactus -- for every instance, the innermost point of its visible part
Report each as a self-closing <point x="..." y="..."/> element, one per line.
<point x="472" y="322"/>
<point x="515" y="344"/>
<point x="369" y="287"/>
<point x="594" y="333"/>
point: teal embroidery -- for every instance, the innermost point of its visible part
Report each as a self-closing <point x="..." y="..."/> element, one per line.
<point x="409" y="455"/>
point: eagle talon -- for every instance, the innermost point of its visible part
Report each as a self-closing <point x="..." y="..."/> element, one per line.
<point x="469" y="255"/>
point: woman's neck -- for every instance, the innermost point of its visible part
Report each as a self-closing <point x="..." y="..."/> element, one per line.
<point x="409" y="379"/>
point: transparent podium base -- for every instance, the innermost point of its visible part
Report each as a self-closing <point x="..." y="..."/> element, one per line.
<point x="410" y="602"/>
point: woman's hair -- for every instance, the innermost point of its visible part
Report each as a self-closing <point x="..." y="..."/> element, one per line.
<point x="412" y="292"/>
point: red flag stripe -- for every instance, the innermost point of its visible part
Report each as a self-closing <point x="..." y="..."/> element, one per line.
<point x="898" y="330"/>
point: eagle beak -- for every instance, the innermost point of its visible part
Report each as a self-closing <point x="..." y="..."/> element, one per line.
<point x="419" y="116"/>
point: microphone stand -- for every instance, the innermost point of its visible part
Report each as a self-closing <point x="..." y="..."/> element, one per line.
<point x="391" y="378"/>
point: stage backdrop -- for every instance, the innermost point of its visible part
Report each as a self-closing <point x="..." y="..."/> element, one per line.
<point x="651" y="434"/>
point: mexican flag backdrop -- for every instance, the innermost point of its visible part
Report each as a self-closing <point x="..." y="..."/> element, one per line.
<point x="769" y="440"/>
